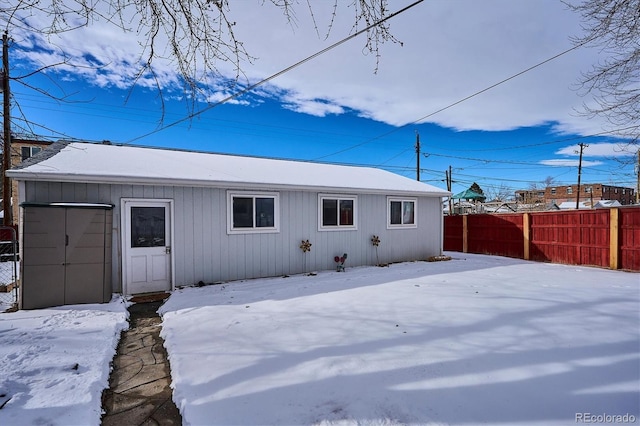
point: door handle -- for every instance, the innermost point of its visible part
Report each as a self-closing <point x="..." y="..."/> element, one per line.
<point x="167" y="249"/>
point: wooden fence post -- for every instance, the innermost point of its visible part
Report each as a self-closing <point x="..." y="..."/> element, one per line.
<point x="614" y="242"/>
<point x="465" y="234"/>
<point x="526" y="233"/>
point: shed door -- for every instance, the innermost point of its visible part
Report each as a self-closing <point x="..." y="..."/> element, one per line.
<point x="43" y="257"/>
<point x="66" y="254"/>
<point x="85" y="256"/>
<point x="147" y="246"/>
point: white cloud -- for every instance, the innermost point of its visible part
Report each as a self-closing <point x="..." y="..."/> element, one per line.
<point x="449" y="51"/>
<point x="314" y="107"/>
<point x="570" y="163"/>
<point x="606" y="149"/>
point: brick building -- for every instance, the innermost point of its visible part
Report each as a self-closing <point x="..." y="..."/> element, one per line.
<point x="589" y="192"/>
<point x="21" y="149"/>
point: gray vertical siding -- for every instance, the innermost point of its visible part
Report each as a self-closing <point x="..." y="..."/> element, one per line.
<point x="204" y="252"/>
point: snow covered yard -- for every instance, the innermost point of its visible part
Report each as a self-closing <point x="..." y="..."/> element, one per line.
<point x="475" y="340"/>
<point x="478" y="339"/>
<point x="54" y="363"/>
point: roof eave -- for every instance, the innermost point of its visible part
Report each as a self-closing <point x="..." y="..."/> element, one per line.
<point x="24" y="175"/>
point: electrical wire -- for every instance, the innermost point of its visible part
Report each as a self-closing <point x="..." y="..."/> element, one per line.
<point x="466" y="98"/>
<point x="278" y="74"/>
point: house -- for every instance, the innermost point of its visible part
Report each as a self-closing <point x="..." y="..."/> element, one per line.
<point x="592" y="192"/>
<point x="161" y="218"/>
<point x="569" y="205"/>
<point x="21" y="149"/>
<point x="498" y="206"/>
<point x="606" y="204"/>
<point x="530" y="196"/>
<point x="600" y="204"/>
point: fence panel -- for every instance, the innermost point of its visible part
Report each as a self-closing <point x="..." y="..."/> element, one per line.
<point x="573" y="237"/>
<point x="8" y="267"/>
<point x="453" y="233"/>
<point x="629" y="238"/>
<point x="499" y="234"/>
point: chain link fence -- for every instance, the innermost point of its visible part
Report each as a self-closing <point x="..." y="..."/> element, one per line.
<point x="8" y="268"/>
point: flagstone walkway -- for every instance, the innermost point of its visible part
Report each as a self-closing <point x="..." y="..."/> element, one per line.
<point x="139" y="386"/>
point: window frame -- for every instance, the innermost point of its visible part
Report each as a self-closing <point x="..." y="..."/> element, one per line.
<point x="33" y="150"/>
<point x="253" y="229"/>
<point x="402" y="200"/>
<point x="338" y="198"/>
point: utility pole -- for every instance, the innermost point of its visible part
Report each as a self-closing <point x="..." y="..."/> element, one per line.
<point x="417" y="156"/>
<point x="6" y="149"/>
<point x="448" y="176"/>
<point x="638" y="181"/>
<point x="582" y="147"/>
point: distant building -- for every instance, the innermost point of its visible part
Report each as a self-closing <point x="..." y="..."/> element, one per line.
<point x="530" y="196"/>
<point x="590" y="193"/>
<point x="21" y="149"/>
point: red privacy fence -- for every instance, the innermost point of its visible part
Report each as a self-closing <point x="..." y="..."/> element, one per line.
<point x="605" y="237"/>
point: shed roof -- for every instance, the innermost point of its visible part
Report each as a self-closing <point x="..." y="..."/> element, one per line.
<point x="106" y="163"/>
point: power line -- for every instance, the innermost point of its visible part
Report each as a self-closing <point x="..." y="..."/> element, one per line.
<point x="461" y="100"/>
<point x="278" y="74"/>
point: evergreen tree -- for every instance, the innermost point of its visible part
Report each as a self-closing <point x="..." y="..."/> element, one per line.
<point x="476" y="188"/>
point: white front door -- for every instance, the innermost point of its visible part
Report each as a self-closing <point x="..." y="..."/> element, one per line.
<point x="147" y="246"/>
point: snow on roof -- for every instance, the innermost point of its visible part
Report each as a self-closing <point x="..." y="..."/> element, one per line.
<point x="568" y="205"/>
<point x="101" y="163"/>
<point x="606" y="204"/>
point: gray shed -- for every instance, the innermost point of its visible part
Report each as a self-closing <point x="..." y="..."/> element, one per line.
<point x="66" y="254"/>
<point x="182" y="217"/>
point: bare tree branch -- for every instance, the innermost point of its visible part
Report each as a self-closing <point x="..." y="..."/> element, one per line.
<point x="614" y="27"/>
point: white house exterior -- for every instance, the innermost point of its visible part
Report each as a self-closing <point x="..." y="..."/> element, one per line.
<point x="181" y="218"/>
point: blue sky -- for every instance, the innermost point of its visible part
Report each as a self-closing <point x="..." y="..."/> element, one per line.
<point x="337" y="108"/>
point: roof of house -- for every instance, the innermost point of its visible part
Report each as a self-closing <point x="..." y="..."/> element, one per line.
<point x="568" y="205"/>
<point x="106" y="163"/>
<point x="602" y="204"/>
<point x="468" y="194"/>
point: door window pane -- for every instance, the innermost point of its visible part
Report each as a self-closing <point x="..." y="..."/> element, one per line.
<point x="147" y="226"/>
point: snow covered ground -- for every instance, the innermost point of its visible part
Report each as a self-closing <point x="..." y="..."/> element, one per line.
<point x="474" y="340"/>
<point x="54" y="363"/>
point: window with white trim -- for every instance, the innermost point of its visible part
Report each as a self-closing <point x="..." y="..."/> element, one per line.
<point x="249" y="212"/>
<point x="401" y="212"/>
<point x="337" y="212"/>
